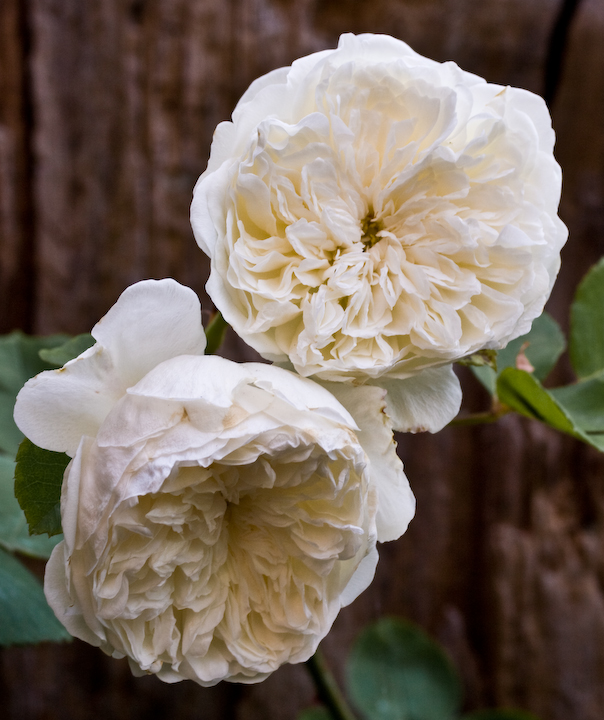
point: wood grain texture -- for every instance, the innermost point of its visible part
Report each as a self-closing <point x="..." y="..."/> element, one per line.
<point x="578" y="116"/>
<point x="504" y="560"/>
<point x="127" y="96"/>
<point x="16" y="217"/>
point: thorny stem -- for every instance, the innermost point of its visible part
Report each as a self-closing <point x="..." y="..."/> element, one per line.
<point x="327" y="689"/>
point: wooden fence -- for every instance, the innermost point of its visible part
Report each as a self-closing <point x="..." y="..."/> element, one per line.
<point x="107" y="108"/>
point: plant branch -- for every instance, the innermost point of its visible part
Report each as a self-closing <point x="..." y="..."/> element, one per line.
<point x="215" y="333"/>
<point x="481" y="418"/>
<point x="327" y="689"/>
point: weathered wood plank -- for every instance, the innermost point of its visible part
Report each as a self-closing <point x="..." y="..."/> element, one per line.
<point x="578" y="119"/>
<point x="16" y="219"/>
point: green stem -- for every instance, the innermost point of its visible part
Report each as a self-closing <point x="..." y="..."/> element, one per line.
<point x="481" y="418"/>
<point x="327" y="689"/>
<point x="215" y="333"/>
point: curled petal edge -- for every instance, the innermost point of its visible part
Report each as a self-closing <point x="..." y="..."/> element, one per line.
<point x="152" y="321"/>
<point x="396" y="502"/>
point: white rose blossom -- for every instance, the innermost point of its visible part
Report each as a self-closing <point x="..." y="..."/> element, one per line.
<point x="216" y="515"/>
<point x="370" y="213"/>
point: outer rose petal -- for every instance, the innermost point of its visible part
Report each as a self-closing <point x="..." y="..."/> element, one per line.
<point x="152" y="321"/>
<point x="396" y="503"/>
<point x="425" y="402"/>
<point x="362" y="577"/>
<point x="57" y="595"/>
<point x="220" y="380"/>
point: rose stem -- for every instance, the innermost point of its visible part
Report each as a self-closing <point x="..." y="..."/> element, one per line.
<point x="482" y="418"/>
<point x="215" y="333"/>
<point x="327" y="689"/>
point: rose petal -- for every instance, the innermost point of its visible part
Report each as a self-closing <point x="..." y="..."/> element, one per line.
<point x="215" y="380"/>
<point x="152" y="321"/>
<point x="57" y="596"/>
<point x="396" y="503"/>
<point x="361" y="578"/>
<point x="425" y="402"/>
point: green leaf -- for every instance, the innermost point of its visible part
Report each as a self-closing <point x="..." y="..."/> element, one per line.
<point x="584" y="404"/>
<point x="14" y="534"/>
<point x="71" y="349"/>
<point x="545" y="345"/>
<point x="215" y="333"/>
<point x="19" y="360"/>
<point x="10" y="435"/>
<point x="487" y="377"/>
<point x="558" y="408"/>
<point x="525" y="394"/>
<point x="500" y="714"/>
<point x="587" y="324"/>
<point x="38" y="480"/>
<point x="24" y="613"/>
<point x="315" y="713"/>
<point x="397" y="672"/>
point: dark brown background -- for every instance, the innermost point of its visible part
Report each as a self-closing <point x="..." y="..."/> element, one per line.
<point x="107" y="108"/>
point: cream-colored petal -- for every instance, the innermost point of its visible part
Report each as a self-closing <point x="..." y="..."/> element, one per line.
<point x="152" y="321"/>
<point x="396" y="503"/>
<point x="425" y="402"/>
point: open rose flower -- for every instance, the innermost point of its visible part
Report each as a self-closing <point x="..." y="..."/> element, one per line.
<point x="370" y="213"/>
<point x="216" y="516"/>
